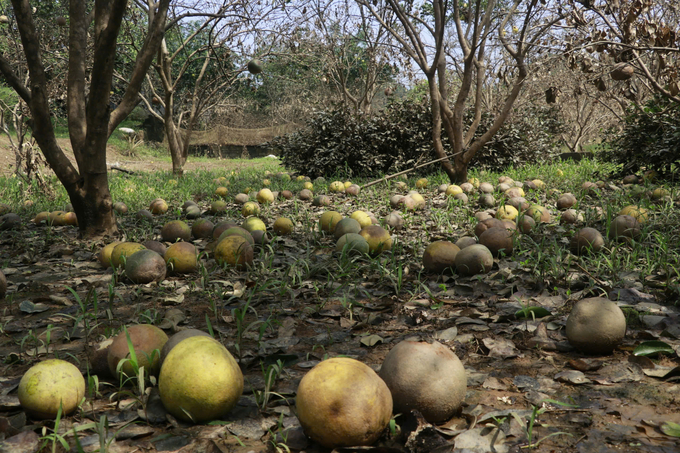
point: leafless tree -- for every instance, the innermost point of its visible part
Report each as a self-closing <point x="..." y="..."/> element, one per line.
<point x="423" y="35"/>
<point x="356" y="52"/>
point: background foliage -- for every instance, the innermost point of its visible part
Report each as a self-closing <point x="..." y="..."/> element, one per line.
<point x="649" y="140"/>
<point x="399" y="137"/>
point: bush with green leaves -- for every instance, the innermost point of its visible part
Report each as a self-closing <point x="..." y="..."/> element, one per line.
<point x="650" y="139"/>
<point x="400" y="136"/>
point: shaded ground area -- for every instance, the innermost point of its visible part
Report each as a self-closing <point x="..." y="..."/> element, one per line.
<point x="301" y="303"/>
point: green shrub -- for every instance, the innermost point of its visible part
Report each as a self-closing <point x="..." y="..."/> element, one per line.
<point x="650" y="139"/>
<point x="400" y="136"/>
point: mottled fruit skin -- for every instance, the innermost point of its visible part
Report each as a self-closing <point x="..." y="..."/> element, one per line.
<point x="176" y="230"/>
<point x="202" y="229"/>
<point x="346" y="225"/>
<point x="147" y="341"/>
<point x="329" y="220"/>
<point x="354" y="243"/>
<point x="342" y="402"/>
<point x="379" y="240"/>
<point x="48" y="384"/>
<point x="440" y="256"/>
<point x="497" y="240"/>
<point x="182" y="257"/>
<point x="235" y="251"/>
<point x="586" y="240"/>
<point x="145" y="266"/>
<point x="473" y="260"/>
<point x="624" y="228"/>
<point x="156" y="246"/>
<point x="199" y="380"/>
<point x="596" y="326"/>
<point x="177" y="338"/>
<point x="427" y="377"/>
<point x="121" y="251"/>
<point x="104" y="255"/>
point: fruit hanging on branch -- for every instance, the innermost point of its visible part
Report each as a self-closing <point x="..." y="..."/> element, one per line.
<point x="622" y="71"/>
<point x="255" y="66"/>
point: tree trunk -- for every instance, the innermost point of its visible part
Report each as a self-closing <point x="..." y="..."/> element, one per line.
<point x="460" y="170"/>
<point x="93" y="205"/>
<point x="176" y="148"/>
<point x="175" y="142"/>
<point x="437" y="127"/>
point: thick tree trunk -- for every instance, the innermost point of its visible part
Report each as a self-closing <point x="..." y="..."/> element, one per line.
<point x="460" y="173"/>
<point x="93" y="205"/>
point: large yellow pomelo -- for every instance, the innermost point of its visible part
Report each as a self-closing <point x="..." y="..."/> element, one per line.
<point x="123" y="250"/>
<point x="640" y="214"/>
<point x="182" y="257"/>
<point x="253" y="223"/>
<point x="105" y="254"/>
<point x="361" y="217"/>
<point x="199" y="380"/>
<point x="342" y="402"/>
<point x="50" y="383"/>
<point x="329" y="220"/>
<point x="234" y="250"/>
<point x="378" y="238"/>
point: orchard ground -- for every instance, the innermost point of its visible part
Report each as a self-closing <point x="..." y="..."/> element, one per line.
<point x="302" y="302"/>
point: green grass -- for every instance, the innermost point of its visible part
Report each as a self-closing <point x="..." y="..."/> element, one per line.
<point x="543" y="253"/>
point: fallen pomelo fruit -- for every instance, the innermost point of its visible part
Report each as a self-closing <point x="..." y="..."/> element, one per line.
<point x="147" y="342"/>
<point x="199" y="380"/>
<point x="348" y="225"/>
<point x="265" y="196"/>
<point x="158" y="206"/>
<point x="329" y="220"/>
<point x="238" y="231"/>
<point x="253" y="223"/>
<point x="586" y="240"/>
<point x="353" y="243"/>
<point x="440" y="256"/>
<point x="49" y="384"/>
<point x="182" y="257"/>
<point x="176" y="230"/>
<point x="342" y="402"/>
<point x="105" y="254"/>
<point x="474" y="259"/>
<point x="337" y="187"/>
<point x="145" y="266"/>
<point x="596" y="326"/>
<point x="283" y="226"/>
<point x="428" y="377"/>
<point x="378" y="238"/>
<point x="202" y="229"/>
<point x="179" y="337"/>
<point x="121" y="251"/>
<point x="235" y="251"/>
<point x="362" y="217"/>
<point x="499" y="240"/>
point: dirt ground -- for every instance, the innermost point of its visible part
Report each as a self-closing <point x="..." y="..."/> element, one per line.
<point x="113" y="159"/>
<point x="303" y="309"/>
